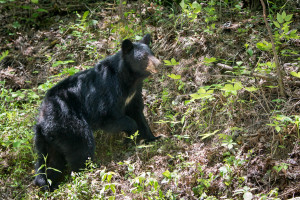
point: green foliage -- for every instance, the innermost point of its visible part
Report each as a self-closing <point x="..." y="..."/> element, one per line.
<point x="232" y="89"/>
<point x="273" y="194"/>
<point x="280" y="166"/>
<point x="57" y="63"/>
<point x="189" y="110"/>
<point x="227" y="141"/>
<point x="3" y="55"/>
<point x="282" y="121"/>
<point x="203" y="182"/>
<point x="265" y="68"/>
<point x="264" y="46"/>
<point x="17" y="111"/>
<point x="191" y="10"/>
<point x="175" y="77"/>
<point x="46" y="170"/>
<point x="202" y="93"/>
<point x="180" y="84"/>
<point x="172" y="62"/>
<point x="134" y="137"/>
<point x="209" y="61"/>
<point x="282" y="24"/>
<point x="295" y="74"/>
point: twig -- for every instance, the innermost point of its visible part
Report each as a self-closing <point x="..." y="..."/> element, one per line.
<point x="278" y="68"/>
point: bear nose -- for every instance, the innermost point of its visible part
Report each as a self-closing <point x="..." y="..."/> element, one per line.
<point x="153" y="62"/>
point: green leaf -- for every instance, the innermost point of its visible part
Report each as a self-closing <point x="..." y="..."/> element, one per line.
<point x="3" y="55"/>
<point x="238" y="86"/>
<point x="210" y="60"/>
<point x="57" y="170"/>
<point x="232" y="89"/>
<point x="283" y="15"/>
<point x="107" y="187"/>
<point x="196" y="6"/>
<point x="42" y="10"/>
<point x="239" y="63"/>
<point x="26" y="7"/>
<point x="85" y="14"/>
<point x="35" y="1"/>
<point x="202" y="94"/>
<point x="167" y="62"/>
<point x="17" y="144"/>
<point x="109" y="176"/>
<point x="285" y="29"/>
<point x="174" y="62"/>
<point x="295" y="74"/>
<point x="173" y="76"/>
<point x="264" y="46"/>
<point x="250" y="52"/>
<point x="49" y="181"/>
<point x="167" y="174"/>
<point x="288" y="17"/>
<point x="279" y="18"/>
<point x="208" y="134"/>
<point x="228" y="87"/>
<point x="251" y="89"/>
<point x="182" y="4"/>
<point x="113" y="188"/>
<point x="59" y="62"/>
<point x="276" y="24"/>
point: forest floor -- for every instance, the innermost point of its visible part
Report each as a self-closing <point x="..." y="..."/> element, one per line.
<point x="236" y="143"/>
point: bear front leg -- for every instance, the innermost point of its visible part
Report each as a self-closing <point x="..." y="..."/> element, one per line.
<point x="143" y="127"/>
<point x="135" y="111"/>
<point x="121" y="124"/>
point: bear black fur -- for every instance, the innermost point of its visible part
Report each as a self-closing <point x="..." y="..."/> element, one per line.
<point x="107" y="97"/>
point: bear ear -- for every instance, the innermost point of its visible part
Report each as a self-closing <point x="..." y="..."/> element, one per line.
<point x="146" y="39"/>
<point x="127" y="46"/>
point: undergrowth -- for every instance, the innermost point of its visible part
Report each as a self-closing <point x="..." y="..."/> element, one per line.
<point x="227" y="131"/>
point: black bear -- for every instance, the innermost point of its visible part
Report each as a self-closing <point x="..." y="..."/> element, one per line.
<point x="107" y="97"/>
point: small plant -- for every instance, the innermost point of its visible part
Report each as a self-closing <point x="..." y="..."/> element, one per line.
<point x="240" y="69"/>
<point x="191" y="10"/>
<point x="273" y="194"/>
<point x="282" y="23"/>
<point x="171" y="62"/>
<point x="203" y="183"/>
<point x="204" y="94"/>
<point x="280" y="166"/>
<point x="232" y="88"/>
<point x="180" y="84"/>
<point x="226" y="173"/>
<point x="3" y="55"/>
<point x="246" y="191"/>
<point x="280" y="122"/>
<point x="46" y="169"/>
<point x="169" y="176"/>
<point x="227" y="141"/>
<point x="265" y="68"/>
<point x="209" y="61"/>
<point x="134" y="137"/>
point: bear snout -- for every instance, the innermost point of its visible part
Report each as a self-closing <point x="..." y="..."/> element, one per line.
<point x="153" y="62"/>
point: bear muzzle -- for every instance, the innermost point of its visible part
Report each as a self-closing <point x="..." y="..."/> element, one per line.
<point x="153" y="62"/>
